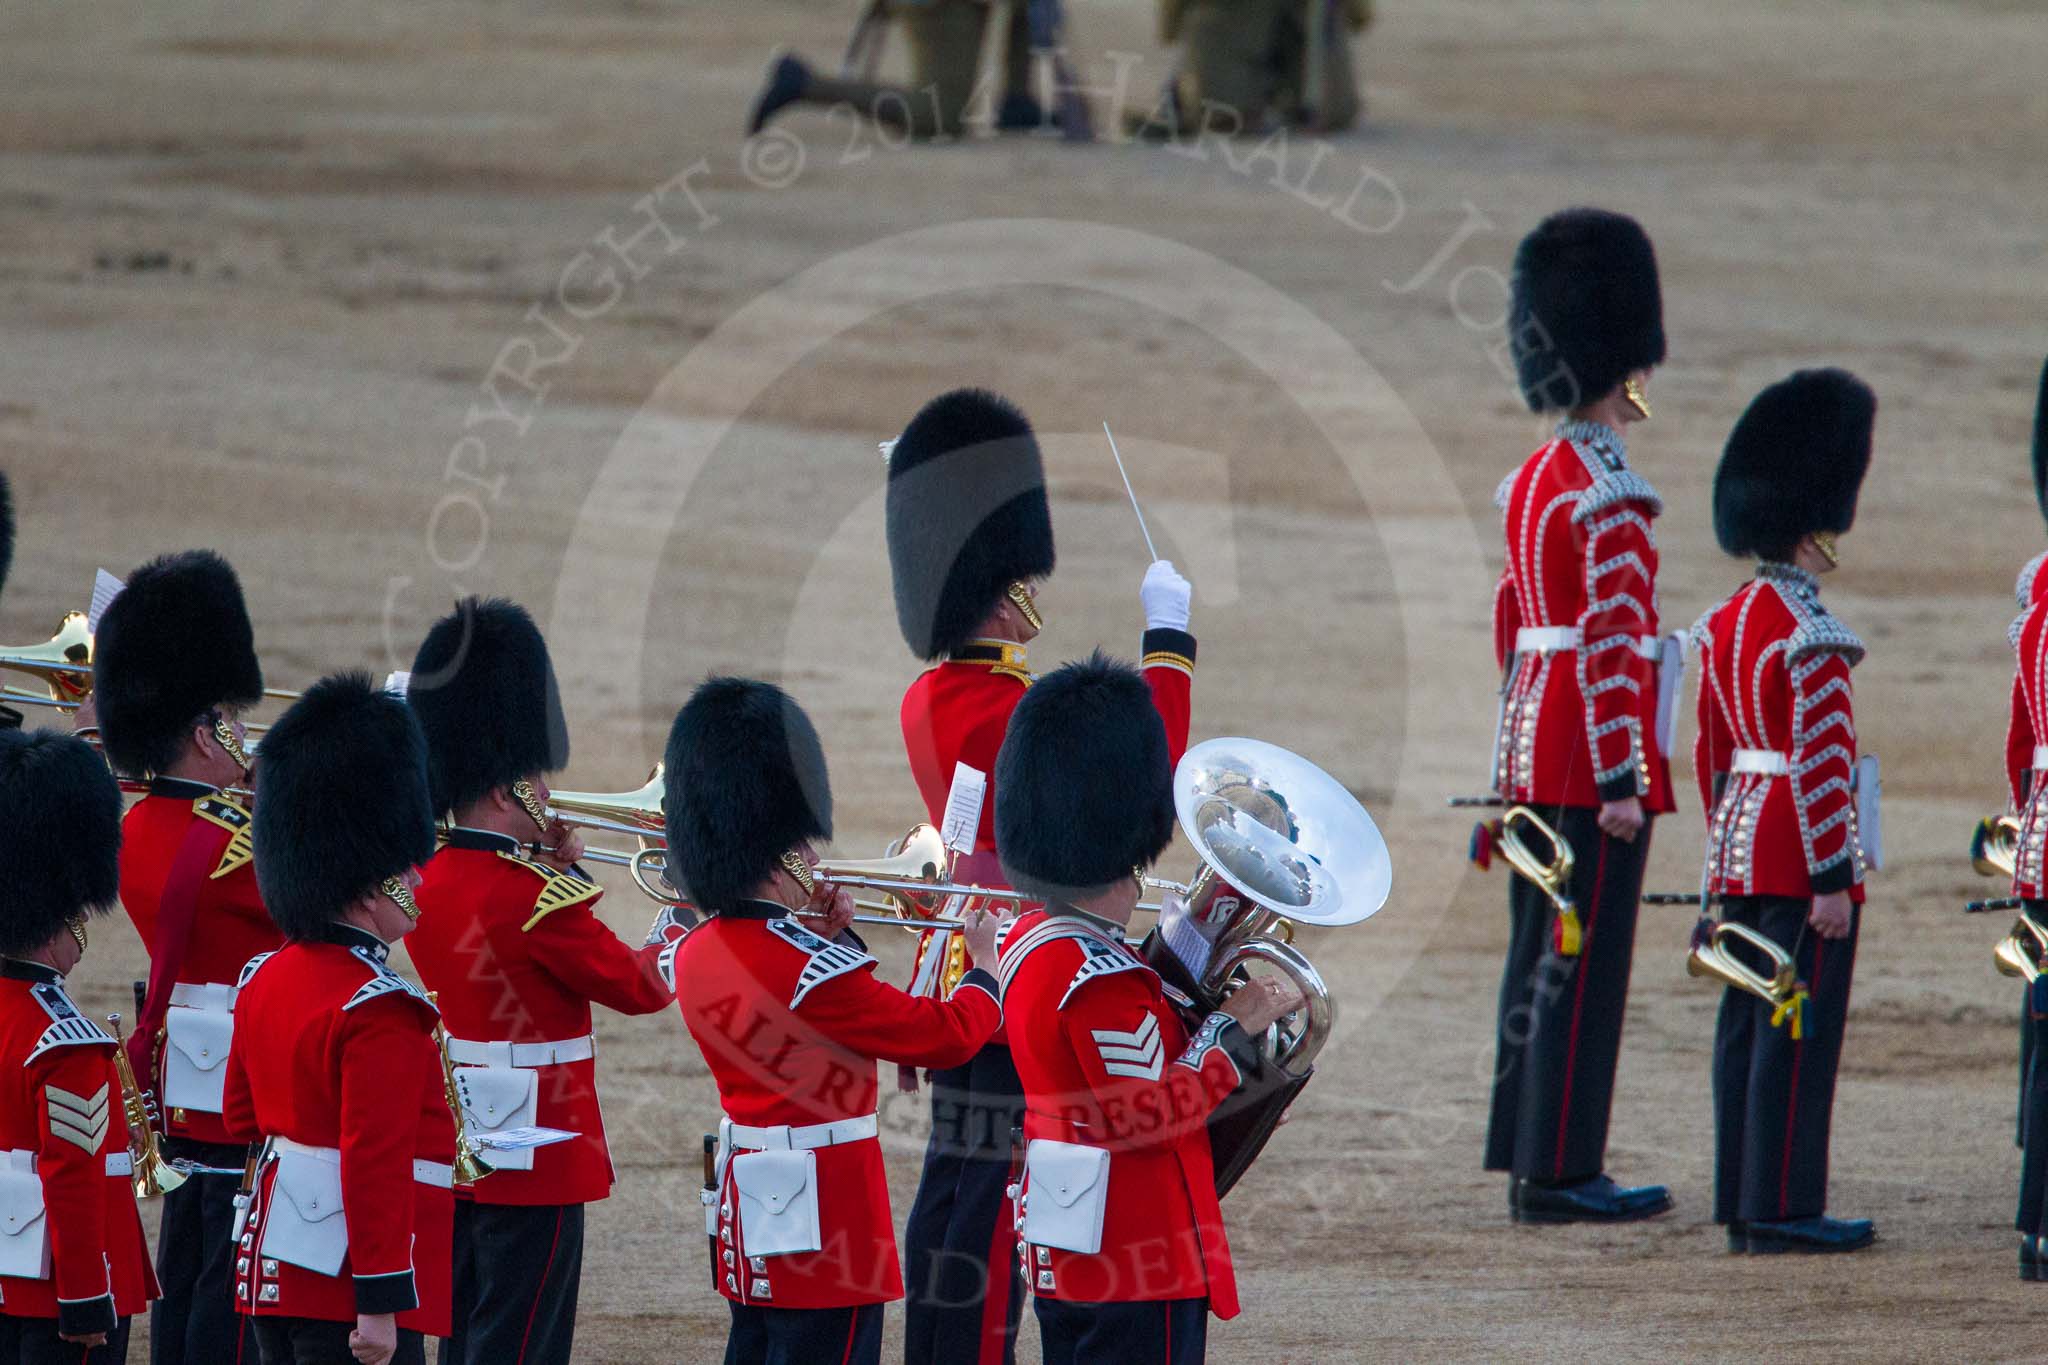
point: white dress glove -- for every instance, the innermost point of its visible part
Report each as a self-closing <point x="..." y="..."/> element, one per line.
<point x="1166" y="596"/>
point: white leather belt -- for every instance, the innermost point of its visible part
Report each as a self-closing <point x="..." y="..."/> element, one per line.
<point x="2041" y="758"/>
<point x="1557" y="639"/>
<point x="435" y="1173"/>
<point x="1767" y="762"/>
<point x="526" y="1056"/>
<point x="212" y="996"/>
<point x="782" y="1136"/>
<point x="21" y="1159"/>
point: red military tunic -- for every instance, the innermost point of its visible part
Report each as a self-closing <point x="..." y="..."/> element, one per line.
<point x="334" y="1050"/>
<point x="517" y="956"/>
<point x="1106" y="1062"/>
<point x="189" y="885"/>
<point x="958" y="711"/>
<point x="1575" y="628"/>
<point x="2026" y="736"/>
<point x="61" y="1116"/>
<point x="791" y="1027"/>
<point x="1776" y="752"/>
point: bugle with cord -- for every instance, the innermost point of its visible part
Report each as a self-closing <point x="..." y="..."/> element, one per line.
<point x="1281" y="843"/>
<point x="1552" y="875"/>
<point x="1994" y="846"/>
<point x="1712" y="956"/>
<point x="2021" y="952"/>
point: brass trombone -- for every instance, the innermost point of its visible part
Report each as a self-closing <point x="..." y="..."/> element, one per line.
<point x="1552" y="875"/>
<point x="63" y="663"/>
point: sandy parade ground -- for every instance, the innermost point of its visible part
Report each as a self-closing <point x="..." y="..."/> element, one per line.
<point x="396" y="302"/>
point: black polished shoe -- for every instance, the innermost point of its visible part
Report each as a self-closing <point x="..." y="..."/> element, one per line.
<point x="2030" y="1259"/>
<point x="787" y="80"/>
<point x="1738" y="1238"/>
<point x="1598" y="1200"/>
<point x="1813" y="1236"/>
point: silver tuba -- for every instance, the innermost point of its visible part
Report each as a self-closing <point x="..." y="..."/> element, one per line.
<point x="1281" y="843"/>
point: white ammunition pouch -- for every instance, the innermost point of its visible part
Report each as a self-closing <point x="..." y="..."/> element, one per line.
<point x="1064" y="1195"/>
<point x="303" y="1225"/>
<point x="778" y="1198"/>
<point x="198" y="1028"/>
<point x="24" y="1232"/>
<point x="1870" y="810"/>
<point x="497" y="1098"/>
<point x="1670" y="662"/>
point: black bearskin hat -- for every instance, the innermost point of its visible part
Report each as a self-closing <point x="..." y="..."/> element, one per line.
<point x="1794" y="463"/>
<point x="6" y="530"/>
<point x="484" y="690"/>
<point x="341" y="802"/>
<point x="174" y="645"/>
<point x="1084" y="782"/>
<point x="2040" y="448"/>
<point x="746" y="782"/>
<point x="1585" y="309"/>
<point x="62" y="854"/>
<point x="967" y="516"/>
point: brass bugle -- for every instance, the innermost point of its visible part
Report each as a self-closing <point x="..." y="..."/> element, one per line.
<point x="1994" y="846"/>
<point x="1712" y="958"/>
<point x="1553" y="875"/>
<point x="2021" y="952"/>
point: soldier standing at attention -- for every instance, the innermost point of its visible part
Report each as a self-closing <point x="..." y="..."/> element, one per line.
<point x="1576" y="635"/>
<point x="1776" y="758"/>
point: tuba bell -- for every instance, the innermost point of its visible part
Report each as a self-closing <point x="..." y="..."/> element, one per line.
<point x="1281" y="843"/>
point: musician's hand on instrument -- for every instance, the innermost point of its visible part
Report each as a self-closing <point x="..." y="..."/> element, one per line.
<point x="1623" y="819"/>
<point x="1832" y="915"/>
<point x="980" y="936"/>
<point x="832" y="907"/>
<point x="86" y="717"/>
<point x="561" y="846"/>
<point x="1262" y="1000"/>
<point x="1166" y="596"/>
<point x="375" y="1339"/>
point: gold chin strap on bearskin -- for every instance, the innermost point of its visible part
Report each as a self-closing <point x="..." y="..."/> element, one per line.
<point x="529" y="801"/>
<point x="1021" y="595"/>
<point x="224" y="734"/>
<point x="76" y="924"/>
<point x="1824" y="541"/>
<point x="793" y="863"/>
<point x="1633" y="392"/>
<point x="401" y="896"/>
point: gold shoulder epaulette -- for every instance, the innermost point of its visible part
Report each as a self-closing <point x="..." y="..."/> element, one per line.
<point x="233" y="817"/>
<point x="560" y="891"/>
<point x="1021" y="675"/>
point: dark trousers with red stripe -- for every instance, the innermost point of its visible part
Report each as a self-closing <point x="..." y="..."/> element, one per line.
<point x="1774" y="1096"/>
<point x="2033" y="1210"/>
<point x="34" y="1341"/>
<point x="804" y="1336"/>
<point x="195" y="1322"/>
<point x="1157" y="1332"/>
<point x="517" y="1270"/>
<point x="1558" y="1033"/>
<point x="963" y="1292"/>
